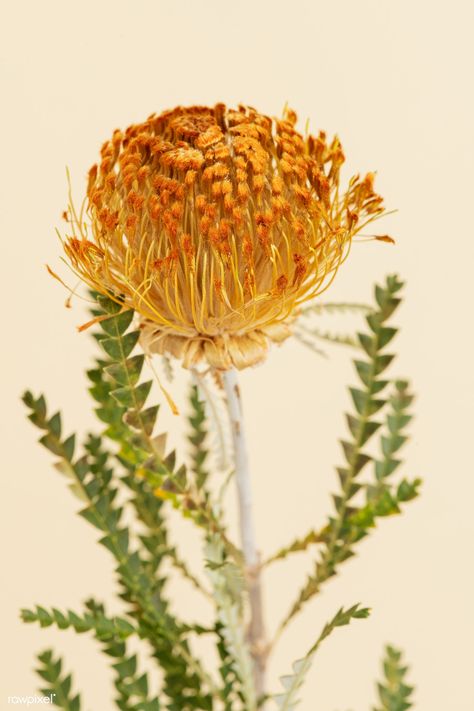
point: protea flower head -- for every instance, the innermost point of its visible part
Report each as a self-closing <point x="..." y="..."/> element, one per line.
<point x="215" y="225"/>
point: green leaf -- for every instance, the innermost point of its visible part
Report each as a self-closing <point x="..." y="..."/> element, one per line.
<point x="69" y="445"/>
<point x="381" y="363"/>
<point x="112" y="347"/>
<point x="54" y="425"/>
<point x="148" y="418"/>
<point x="292" y="683"/>
<point x="128" y="372"/>
<point x="117" y="324"/>
<point x="392" y="444"/>
<point x="133" y="397"/>
<point x="198" y="436"/>
<point x="108" y="305"/>
<point x="408" y="490"/>
<point x="350" y="524"/>
<point x="393" y="691"/>
<point x="126" y="667"/>
<point x="128" y="342"/>
<point x="385" y="335"/>
<point x="386" y="467"/>
<point x="59" y="687"/>
<point x="52" y="443"/>
<point x="364" y="403"/>
<point x="368" y="343"/>
<point x="355" y="458"/>
<point x="120" y="348"/>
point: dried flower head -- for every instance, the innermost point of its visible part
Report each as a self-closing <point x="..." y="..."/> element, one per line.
<point x="215" y="224"/>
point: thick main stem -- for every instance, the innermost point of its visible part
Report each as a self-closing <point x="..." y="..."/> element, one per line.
<point x="256" y="631"/>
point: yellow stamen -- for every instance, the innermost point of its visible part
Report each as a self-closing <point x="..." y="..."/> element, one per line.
<point x="215" y="224"/>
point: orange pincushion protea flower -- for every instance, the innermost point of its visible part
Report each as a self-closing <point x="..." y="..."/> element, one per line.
<point x="215" y="224"/>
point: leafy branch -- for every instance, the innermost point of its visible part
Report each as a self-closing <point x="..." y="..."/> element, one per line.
<point x="59" y="687"/>
<point x="104" y="628"/>
<point x="350" y="522"/>
<point x="122" y="399"/>
<point x="310" y="334"/>
<point x="126" y="474"/>
<point x="154" y="539"/>
<point x="307" y="335"/>
<point x="320" y="307"/>
<point x="297" y="546"/>
<point x="292" y="683"/>
<point x="91" y="481"/>
<point x="132" y="689"/>
<point x="197" y="437"/>
<point x="394" y="693"/>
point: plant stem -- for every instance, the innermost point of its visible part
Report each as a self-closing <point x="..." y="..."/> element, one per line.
<point x="256" y="630"/>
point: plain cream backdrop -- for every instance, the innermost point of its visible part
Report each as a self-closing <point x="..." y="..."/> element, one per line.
<point x="394" y="79"/>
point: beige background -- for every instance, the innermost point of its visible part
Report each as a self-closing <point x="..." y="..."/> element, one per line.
<point x="394" y="79"/>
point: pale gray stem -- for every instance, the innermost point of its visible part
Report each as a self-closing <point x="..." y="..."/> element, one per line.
<point x="256" y="631"/>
